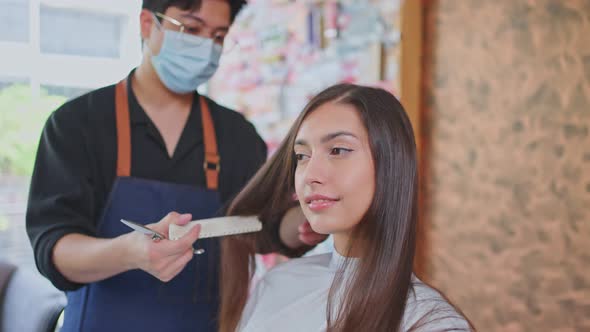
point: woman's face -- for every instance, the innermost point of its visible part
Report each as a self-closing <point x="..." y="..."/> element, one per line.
<point x="335" y="174"/>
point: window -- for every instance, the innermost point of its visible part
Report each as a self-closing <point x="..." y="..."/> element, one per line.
<point x="6" y="82"/>
<point x="14" y="20"/>
<point x="77" y="32"/>
<point x="68" y="92"/>
<point x="22" y="117"/>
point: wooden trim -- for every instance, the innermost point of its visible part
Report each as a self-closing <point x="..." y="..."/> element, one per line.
<point x="411" y="61"/>
<point x="412" y="25"/>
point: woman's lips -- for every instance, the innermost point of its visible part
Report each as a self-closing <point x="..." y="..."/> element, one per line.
<point x="317" y="203"/>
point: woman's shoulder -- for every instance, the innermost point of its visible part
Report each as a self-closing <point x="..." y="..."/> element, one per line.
<point x="293" y="289"/>
<point x="304" y="272"/>
<point x="428" y="309"/>
<point x="287" y="282"/>
<point x="307" y="265"/>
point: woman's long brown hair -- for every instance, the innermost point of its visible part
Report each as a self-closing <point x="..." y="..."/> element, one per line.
<point x="374" y="299"/>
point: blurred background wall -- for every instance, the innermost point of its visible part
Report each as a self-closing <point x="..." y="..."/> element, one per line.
<point x="505" y="125"/>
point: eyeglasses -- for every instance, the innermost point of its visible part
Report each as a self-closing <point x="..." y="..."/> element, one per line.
<point x="195" y="29"/>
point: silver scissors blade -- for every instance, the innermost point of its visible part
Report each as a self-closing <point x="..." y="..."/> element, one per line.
<point x="143" y="229"/>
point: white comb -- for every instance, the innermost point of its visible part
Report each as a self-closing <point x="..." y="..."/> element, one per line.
<point x="214" y="227"/>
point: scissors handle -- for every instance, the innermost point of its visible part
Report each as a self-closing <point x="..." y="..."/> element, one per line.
<point x="157" y="237"/>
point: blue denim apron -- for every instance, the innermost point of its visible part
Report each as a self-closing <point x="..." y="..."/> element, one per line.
<point x="135" y="300"/>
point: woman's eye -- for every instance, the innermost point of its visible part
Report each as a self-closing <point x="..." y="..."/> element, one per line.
<point x="300" y="156"/>
<point x="339" y="151"/>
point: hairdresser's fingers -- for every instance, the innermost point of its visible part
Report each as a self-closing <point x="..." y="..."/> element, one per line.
<point x="308" y="236"/>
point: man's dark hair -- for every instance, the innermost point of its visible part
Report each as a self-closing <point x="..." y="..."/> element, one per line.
<point x="162" y="5"/>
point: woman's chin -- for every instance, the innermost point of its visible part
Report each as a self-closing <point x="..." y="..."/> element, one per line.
<point x="320" y="227"/>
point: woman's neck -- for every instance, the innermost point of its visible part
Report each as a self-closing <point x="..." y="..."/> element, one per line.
<point x="342" y="245"/>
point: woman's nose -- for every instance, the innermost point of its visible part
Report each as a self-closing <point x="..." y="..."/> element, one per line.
<point x="315" y="171"/>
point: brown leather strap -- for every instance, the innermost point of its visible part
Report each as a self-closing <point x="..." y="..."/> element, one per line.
<point x="211" y="164"/>
<point x="123" y="130"/>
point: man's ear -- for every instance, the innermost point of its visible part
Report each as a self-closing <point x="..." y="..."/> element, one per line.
<point x="146" y="23"/>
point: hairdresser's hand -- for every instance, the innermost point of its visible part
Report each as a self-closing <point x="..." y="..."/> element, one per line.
<point x="308" y="236"/>
<point x="164" y="259"/>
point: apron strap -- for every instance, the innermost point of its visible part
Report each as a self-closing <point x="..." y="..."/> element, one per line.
<point x="123" y="130"/>
<point x="211" y="164"/>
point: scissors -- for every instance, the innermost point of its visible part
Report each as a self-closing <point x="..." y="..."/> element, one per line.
<point x="156" y="236"/>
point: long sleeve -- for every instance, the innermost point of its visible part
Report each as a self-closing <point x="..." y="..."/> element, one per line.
<point x="61" y="195"/>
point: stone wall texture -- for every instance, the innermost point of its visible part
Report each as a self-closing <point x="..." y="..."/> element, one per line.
<point x="506" y="182"/>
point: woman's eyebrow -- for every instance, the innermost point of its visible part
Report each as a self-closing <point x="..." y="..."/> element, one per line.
<point x="332" y="136"/>
<point x="301" y="142"/>
<point x="327" y="138"/>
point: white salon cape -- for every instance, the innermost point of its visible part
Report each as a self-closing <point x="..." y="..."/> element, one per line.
<point x="292" y="297"/>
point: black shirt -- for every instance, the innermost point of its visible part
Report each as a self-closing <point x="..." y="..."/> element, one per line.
<point x="76" y="165"/>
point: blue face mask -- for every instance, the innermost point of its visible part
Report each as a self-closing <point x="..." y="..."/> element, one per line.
<point x="186" y="61"/>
